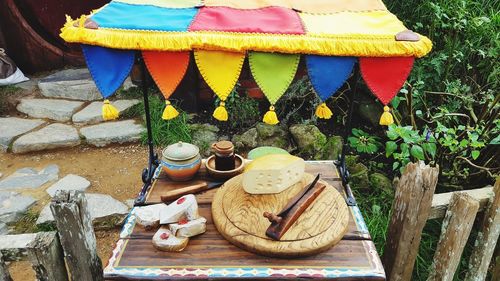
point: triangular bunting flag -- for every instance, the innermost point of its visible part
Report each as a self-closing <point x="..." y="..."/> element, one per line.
<point x="273" y="73"/>
<point x="167" y="70"/>
<point x="327" y="75"/>
<point x="385" y="77"/>
<point x="221" y="71"/>
<point x="109" y="68"/>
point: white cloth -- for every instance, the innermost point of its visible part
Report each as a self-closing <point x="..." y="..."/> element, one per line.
<point x="15" y="78"/>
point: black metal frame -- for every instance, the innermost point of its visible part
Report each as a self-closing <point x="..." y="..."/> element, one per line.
<point x="153" y="162"/>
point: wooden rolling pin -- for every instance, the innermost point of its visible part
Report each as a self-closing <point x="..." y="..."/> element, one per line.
<point x="195" y="188"/>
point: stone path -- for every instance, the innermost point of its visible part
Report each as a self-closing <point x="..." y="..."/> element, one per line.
<point x="81" y="116"/>
<point x="105" y="210"/>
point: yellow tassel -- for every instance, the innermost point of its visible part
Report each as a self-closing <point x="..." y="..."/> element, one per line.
<point x="220" y="112"/>
<point x="170" y="112"/>
<point x="386" y="118"/>
<point x="109" y="112"/>
<point x="322" y="111"/>
<point x="270" y="117"/>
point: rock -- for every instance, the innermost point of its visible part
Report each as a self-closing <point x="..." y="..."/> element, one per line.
<point x="4" y="229"/>
<point x="75" y="84"/>
<point x="105" y="211"/>
<point x="12" y="127"/>
<point x="203" y="136"/>
<point x="369" y="108"/>
<point x="30" y="178"/>
<point x="310" y="140"/>
<point x="13" y="205"/>
<point x="248" y="140"/>
<point x="359" y="177"/>
<point x="29" y="85"/>
<point x="59" y="110"/>
<point x="333" y="148"/>
<point x="272" y="135"/>
<point x="130" y="203"/>
<point x="112" y="132"/>
<point x="92" y="114"/>
<point x="127" y="84"/>
<point x="50" y="137"/>
<point x="69" y="182"/>
<point x="381" y="182"/>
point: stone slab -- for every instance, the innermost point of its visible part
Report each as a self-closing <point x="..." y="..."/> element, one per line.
<point x="112" y="132"/>
<point x="30" y="178"/>
<point x="92" y="113"/>
<point x="75" y="84"/>
<point x="50" y="137"/>
<point x="13" y="127"/>
<point x="13" y="205"/>
<point x="4" y="229"/>
<point x="69" y="182"/>
<point x="105" y="211"/>
<point x="59" y="110"/>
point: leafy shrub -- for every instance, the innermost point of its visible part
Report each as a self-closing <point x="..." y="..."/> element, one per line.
<point x="362" y="142"/>
<point x="243" y="111"/>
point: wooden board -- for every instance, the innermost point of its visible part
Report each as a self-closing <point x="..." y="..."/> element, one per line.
<point x="238" y="217"/>
<point x="211" y="257"/>
<point x="356" y="228"/>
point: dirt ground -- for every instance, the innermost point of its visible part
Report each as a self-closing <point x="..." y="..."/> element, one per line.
<point x="114" y="170"/>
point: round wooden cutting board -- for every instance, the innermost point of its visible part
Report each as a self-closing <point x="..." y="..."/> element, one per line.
<point x="239" y="218"/>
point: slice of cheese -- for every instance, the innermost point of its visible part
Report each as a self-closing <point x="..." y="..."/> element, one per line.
<point x="149" y="216"/>
<point x="185" y="207"/>
<point x="189" y="228"/>
<point x="164" y="240"/>
<point x="273" y="173"/>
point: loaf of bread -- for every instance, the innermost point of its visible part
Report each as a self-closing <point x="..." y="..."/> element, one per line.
<point x="149" y="216"/>
<point x="184" y="208"/>
<point x="186" y="228"/>
<point x="164" y="240"/>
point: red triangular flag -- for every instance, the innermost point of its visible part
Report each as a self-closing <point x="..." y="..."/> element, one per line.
<point x="385" y="76"/>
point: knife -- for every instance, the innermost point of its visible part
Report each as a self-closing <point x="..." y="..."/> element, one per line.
<point x="172" y="195"/>
<point x="281" y="222"/>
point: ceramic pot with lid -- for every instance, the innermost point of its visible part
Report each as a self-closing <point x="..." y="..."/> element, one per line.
<point x="181" y="161"/>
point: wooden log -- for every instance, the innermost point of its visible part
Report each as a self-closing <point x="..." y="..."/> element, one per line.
<point x="495" y="275"/>
<point x="4" y="270"/>
<point x="441" y="201"/>
<point x="487" y="239"/>
<point x="14" y="247"/>
<point x="455" y="231"/>
<point x="77" y="235"/>
<point x="47" y="257"/>
<point x="410" y="210"/>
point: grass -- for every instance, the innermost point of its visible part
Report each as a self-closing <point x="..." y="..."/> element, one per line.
<point x="27" y="224"/>
<point x="166" y="132"/>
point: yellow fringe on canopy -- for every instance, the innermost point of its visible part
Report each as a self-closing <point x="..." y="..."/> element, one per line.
<point x="322" y="111"/>
<point x="317" y="44"/>
<point x="170" y="112"/>
<point x="109" y="112"/>
<point x="386" y="119"/>
<point x="220" y="112"/>
<point x="270" y="117"/>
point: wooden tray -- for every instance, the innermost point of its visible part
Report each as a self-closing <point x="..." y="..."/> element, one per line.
<point x="238" y="217"/>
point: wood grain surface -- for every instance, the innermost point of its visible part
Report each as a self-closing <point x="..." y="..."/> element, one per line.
<point x="238" y="217"/>
<point x="328" y="174"/>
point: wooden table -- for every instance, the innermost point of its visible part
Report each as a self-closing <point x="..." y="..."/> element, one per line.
<point x="210" y="257"/>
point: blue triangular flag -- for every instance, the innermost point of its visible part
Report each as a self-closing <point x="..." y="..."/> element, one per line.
<point x="328" y="73"/>
<point x="108" y="67"/>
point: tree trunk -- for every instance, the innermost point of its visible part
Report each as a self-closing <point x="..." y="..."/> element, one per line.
<point x="487" y="240"/>
<point x="410" y="211"/>
<point x="47" y="257"/>
<point x="455" y="231"/>
<point x="77" y="235"/>
<point x="4" y="270"/>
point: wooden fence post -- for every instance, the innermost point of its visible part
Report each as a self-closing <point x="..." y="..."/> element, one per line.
<point x="47" y="257"/>
<point x="77" y="235"/>
<point x="4" y="270"/>
<point x="487" y="240"/>
<point x="455" y="231"/>
<point x="410" y="210"/>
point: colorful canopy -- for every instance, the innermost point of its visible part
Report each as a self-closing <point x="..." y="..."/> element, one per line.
<point x="332" y="33"/>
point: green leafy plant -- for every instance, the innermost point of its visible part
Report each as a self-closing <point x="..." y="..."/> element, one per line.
<point x="406" y="145"/>
<point x="362" y="142"/>
<point x="243" y="111"/>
